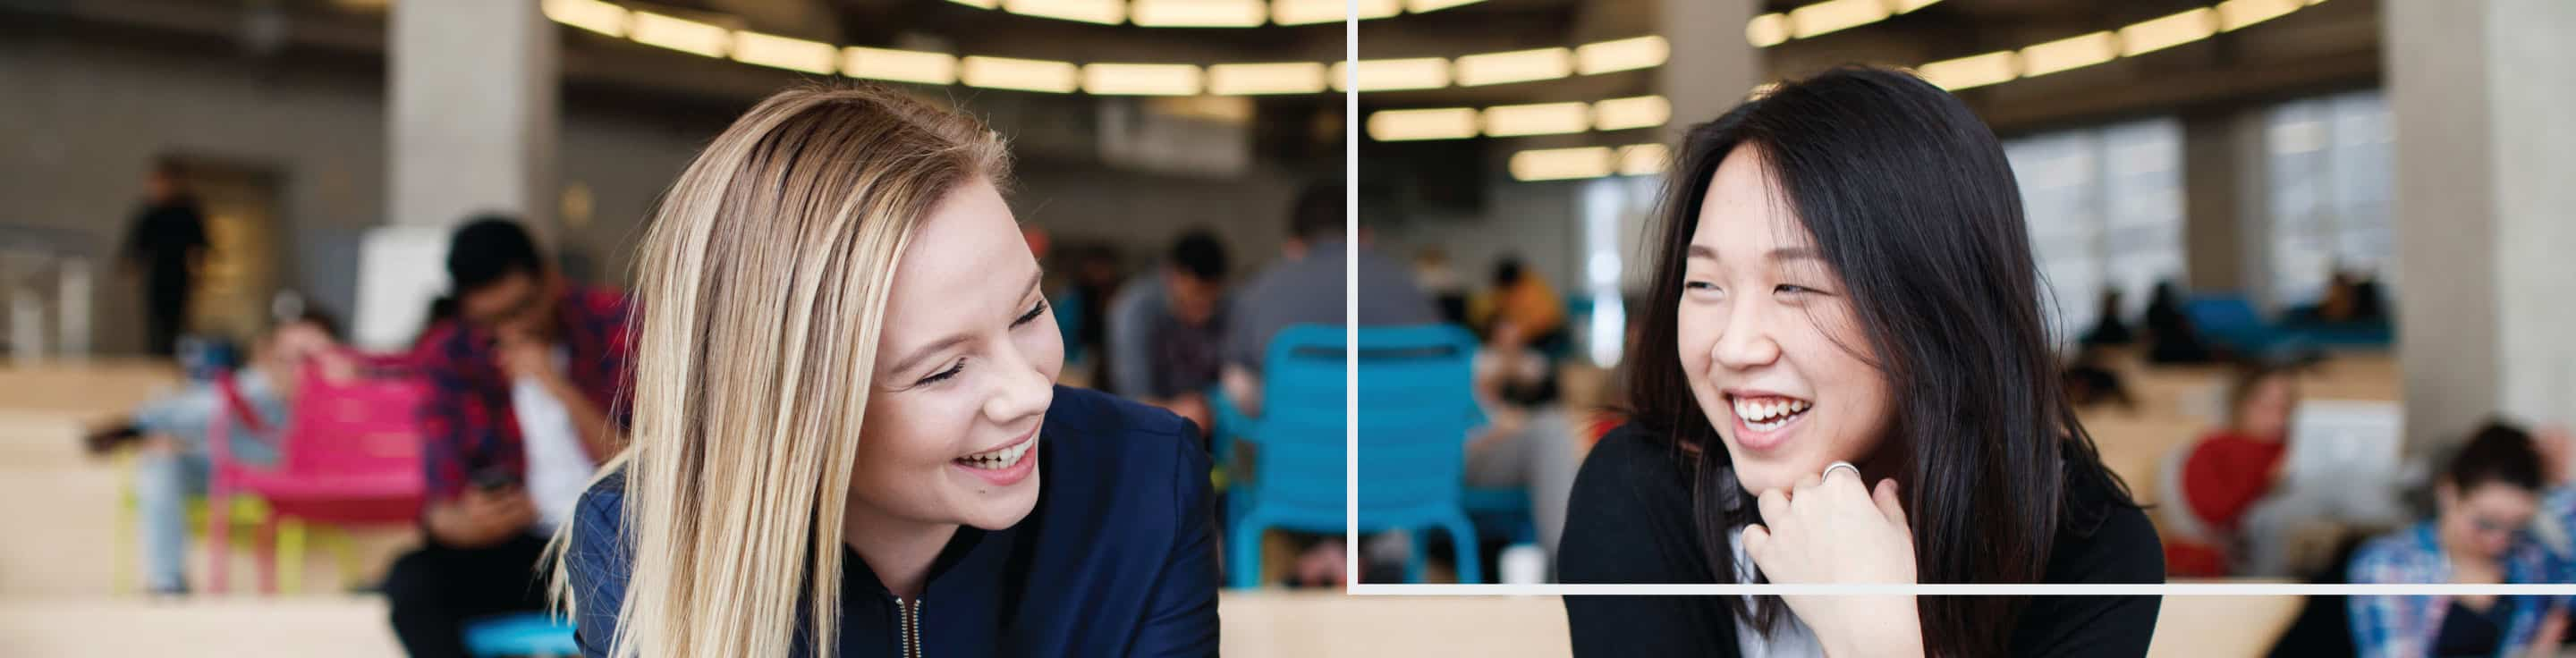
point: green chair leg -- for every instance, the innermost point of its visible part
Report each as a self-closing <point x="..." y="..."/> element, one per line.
<point x="124" y="553"/>
<point x="345" y="549"/>
<point x="290" y="556"/>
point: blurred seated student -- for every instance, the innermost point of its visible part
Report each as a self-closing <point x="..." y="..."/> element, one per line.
<point x="2108" y="328"/>
<point x="441" y="313"/>
<point x="2485" y="501"/>
<point x="2369" y="304"/>
<point x="2349" y="297"/>
<point x="2171" y="337"/>
<point x="1526" y="302"/>
<point x="2338" y="302"/>
<point x="2232" y="468"/>
<point x="523" y="406"/>
<point x="1167" y="328"/>
<point x="2091" y="381"/>
<point x="1305" y="286"/>
<point x="172" y="432"/>
<point x="1082" y="306"/>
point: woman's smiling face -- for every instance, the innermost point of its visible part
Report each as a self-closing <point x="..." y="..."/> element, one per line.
<point x="1769" y="340"/>
<point x="966" y="367"/>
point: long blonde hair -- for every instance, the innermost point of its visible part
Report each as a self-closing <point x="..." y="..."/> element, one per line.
<point x="761" y="289"/>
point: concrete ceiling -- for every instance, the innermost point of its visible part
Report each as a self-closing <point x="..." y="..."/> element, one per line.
<point x="2326" y="46"/>
<point x="2334" y="45"/>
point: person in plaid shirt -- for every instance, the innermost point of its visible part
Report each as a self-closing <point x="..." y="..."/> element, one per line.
<point x="2486" y="502"/>
<point x="526" y="401"/>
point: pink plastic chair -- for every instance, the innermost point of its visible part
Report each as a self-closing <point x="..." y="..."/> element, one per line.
<point x="350" y="455"/>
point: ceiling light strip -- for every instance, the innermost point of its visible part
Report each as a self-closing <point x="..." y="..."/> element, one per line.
<point x="1214" y="13"/>
<point x="709" y="40"/>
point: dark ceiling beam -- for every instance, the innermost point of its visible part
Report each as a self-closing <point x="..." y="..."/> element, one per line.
<point x="802" y="19"/>
<point x="2193" y="92"/>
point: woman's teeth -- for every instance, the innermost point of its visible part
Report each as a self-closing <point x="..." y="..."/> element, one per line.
<point x="998" y="459"/>
<point x="1768" y="413"/>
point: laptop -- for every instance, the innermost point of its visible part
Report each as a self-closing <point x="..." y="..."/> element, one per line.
<point x="2341" y="443"/>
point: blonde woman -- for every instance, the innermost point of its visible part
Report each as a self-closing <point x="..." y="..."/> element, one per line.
<point x="847" y="437"/>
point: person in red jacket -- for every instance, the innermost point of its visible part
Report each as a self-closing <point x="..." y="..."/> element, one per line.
<point x="2233" y="467"/>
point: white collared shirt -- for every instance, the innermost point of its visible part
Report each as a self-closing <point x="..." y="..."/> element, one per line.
<point x="1794" y="639"/>
<point x="558" y="467"/>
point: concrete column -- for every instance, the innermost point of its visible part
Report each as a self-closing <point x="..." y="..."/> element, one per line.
<point x="1711" y="69"/>
<point x="471" y="124"/>
<point x="2483" y="211"/>
<point x="2226" y="223"/>
<point x="1712" y="66"/>
<point x="473" y="112"/>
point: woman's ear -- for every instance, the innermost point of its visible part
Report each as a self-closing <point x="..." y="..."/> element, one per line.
<point x="2445" y="495"/>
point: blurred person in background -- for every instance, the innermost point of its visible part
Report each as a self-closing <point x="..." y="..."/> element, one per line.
<point x="2350" y="297"/>
<point x="1083" y="311"/>
<point x="2484" y="504"/>
<point x="1526" y="303"/>
<point x="434" y="320"/>
<point x="2108" y="329"/>
<point x="2369" y="303"/>
<point x="172" y="432"/>
<point x="523" y="406"/>
<point x="1844" y="376"/>
<point x="2230" y="470"/>
<point x="1306" y="286"/>
<point x="1166" y="329"/>
<point x="2171" y="336"/>
<point x="1529" y="439"/>
<point x="878" y="461"/>
<point x="2336" y="304"/>
<point x="2091" y="380"/>
<point x="167" y="245"/>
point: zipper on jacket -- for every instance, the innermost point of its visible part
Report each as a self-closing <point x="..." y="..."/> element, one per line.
<point x="907" y="624"/>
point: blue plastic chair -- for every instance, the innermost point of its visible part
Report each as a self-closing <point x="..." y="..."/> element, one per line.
<point x="1502" y="512"/>
<point x="2230" y="319"/>
<point x="1415" y="413"/>
<point x="520" y="634"/>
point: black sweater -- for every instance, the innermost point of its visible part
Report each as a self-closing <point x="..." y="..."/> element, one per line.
<point x="1630" y="522"/>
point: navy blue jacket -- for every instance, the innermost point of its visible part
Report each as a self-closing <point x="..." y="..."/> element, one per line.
<point x="1117" y="559"/>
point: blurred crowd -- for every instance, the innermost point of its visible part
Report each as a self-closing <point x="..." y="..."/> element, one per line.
<point x="518" y="372"/>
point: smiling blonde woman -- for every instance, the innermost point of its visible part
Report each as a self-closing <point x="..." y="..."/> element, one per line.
<point x="845" y="410"/>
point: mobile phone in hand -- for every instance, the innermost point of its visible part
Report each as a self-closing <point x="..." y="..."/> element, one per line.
<point x="494" y="480"/>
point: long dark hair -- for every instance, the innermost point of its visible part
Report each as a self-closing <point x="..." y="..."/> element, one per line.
<point x="1911" y="201"/>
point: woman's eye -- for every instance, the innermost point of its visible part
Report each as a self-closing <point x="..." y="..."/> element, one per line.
<point x="1698" y="285"/>
<point x="1792" y="289"/>
<point x="1034" y="312"/>
<point x="942" y="375"/>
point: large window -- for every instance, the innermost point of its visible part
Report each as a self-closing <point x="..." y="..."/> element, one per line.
<point x="2328" y="169"/>
<point x="2105" y="210"/>
<point x="1616" y="213"/>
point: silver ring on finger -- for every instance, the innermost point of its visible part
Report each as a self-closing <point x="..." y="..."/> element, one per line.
<point x="1840" y="465"/>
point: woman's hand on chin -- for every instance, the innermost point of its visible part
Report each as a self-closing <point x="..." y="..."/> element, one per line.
<point x="1833" y="530"/>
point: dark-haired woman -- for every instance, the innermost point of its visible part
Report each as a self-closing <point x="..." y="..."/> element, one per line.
<point x="1843" y="376"/>
<point x="2480" y="535"/>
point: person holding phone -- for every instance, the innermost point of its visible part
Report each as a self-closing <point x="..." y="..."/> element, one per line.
<point x="1843" y="375"/>
<point x="848" y="438"/>
<point x="2485" y="502"/>
<point x="524" y="404"/>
